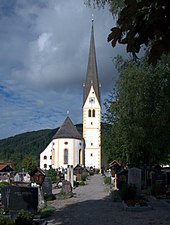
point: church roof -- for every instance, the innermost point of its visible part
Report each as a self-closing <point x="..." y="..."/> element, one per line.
<point x="92" y="73"/>
<point x="67" y="130"/>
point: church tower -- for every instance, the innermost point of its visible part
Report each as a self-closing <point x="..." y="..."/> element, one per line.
<point x="92" y="110"/>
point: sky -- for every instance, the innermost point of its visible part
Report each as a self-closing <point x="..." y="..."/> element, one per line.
<point x="44" y="47"/>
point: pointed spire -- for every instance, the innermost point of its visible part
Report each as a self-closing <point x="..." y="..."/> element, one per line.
<point x="92" y="73"/>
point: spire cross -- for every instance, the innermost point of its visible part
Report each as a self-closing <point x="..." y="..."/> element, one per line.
<point x="92" y="18"/>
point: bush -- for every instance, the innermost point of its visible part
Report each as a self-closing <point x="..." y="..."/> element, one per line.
<point x="128" y="192"/>
<point x="157" y="190"/>
<point x="24" y="218"/>
<point x="91" y="172"/>
<point x="49" y="197"/>
<point x="46" y="212"/>
<point x="6" y="221"/>
<point x="97" y="171"/>
<point x="84" y="177"/>
<point x="107" y="180"/>
<point x="3" y="184"/>
<point x="81" y="183"/>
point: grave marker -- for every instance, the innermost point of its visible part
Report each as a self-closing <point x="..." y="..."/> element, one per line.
<point x="134" y="177"/>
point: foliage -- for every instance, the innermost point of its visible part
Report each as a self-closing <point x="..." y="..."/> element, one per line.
<point x="128" y="192"/>
<point x="158" y="191"/>
<point x="139" y="23"/>
<point x="15" y="149"/>
<point x="24" y="217"/>
<point x="84" y="177"/>
<point x="82" y="183"/>
<point x="114" y="6"/>
<point x="6" y="221"/>
<point x="46" y="212"/>
<point x="3" y="184"/>
<point x="29" y="162"/>
<point x="139" y="113"/>
<point x="107" y="180"/>
<point x="52" y="173"/>
<point x="49" y="197"/>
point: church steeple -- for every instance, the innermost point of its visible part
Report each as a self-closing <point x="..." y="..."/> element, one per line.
<point x="92" y="73"/>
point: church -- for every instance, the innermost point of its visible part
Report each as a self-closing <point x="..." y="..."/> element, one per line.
<point x="68" y="146"/>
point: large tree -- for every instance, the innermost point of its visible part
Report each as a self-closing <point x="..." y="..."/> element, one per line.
<point x="141" y="23"/>
<point x="139" y="113"/>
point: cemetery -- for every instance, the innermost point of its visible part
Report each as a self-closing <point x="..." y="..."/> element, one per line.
<point x="136" y="186"/>
<point x="29" y="197"/>
<point x="24" y="196"/>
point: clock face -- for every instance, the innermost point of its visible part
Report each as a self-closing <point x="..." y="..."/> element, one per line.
<point x="92" y="100"/>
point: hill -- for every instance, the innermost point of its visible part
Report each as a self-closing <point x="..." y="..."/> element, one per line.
<point x="13" y="149"/>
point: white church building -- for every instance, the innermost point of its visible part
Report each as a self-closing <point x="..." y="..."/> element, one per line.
<point x="68" y="146"/>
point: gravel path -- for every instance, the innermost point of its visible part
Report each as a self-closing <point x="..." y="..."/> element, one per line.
<point x="92" y="205"/>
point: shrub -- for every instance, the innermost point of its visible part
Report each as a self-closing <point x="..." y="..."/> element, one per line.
<point x="46" y="212"/>
<point x="6" y="221"/>
<point x="107" y="180"/>
<point x="97" y="171"/>
<point x="49" y="197"/>
<point x="157" y="190"/>
<point x="3" y="184"/>
<point x="24" y="218"/>
<point x="81" y="183"/>
<point x="84" y="177"/>
<point x="91" y="172"/>
<point x="128" y="192"/>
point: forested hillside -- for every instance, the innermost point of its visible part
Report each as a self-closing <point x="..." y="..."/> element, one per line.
<point x="17" y="149"/>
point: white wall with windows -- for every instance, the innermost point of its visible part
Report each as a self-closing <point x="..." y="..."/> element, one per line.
<point x="62" y="152"/>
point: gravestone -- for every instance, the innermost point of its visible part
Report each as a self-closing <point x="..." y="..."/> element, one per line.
<point x="134" y="177"/>
<point x="41" y="200"/>
<point x="15" y="198"/>
<point x="122" y="179"/>
<point x="47" y="185"/>
<point x="70" y="175"/>
<point x="17" y="178"/>
<point x="66" y="189"/>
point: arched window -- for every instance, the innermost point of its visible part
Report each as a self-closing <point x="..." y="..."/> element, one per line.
<point x="65" y="156"/>
<point x="45" y="166"/>
<point x="45" y="157"/>
<point x="93" y="112"/>
<point x="89" y="113"/>
<point x="50" y="156"/>
<point x="80" y="156"/>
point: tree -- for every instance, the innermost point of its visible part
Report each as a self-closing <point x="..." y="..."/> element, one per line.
<point x="29" y="162"/>
<point x="140" y="112"/>
<point x="141" y="23"/>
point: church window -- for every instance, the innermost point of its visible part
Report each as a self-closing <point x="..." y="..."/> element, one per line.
<point x="91" y="144"/>
<point x="80" y="143"/>
<point x="45" y="166"/>
<point x="50" y="156"/>
<point x="89" y="113"/>
<point x="45" y="157"/>
<point x="80" y="156"/>
<point x="91" y="154"/>
<point x="65" y="156"/>
<point x="66" y="143"/>
<point x="93" y="113"/>
<point x="53" y="143"/>
<point x="91" y="123"/>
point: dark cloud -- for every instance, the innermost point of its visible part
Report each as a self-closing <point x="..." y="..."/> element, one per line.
<point x="43" y="60"/>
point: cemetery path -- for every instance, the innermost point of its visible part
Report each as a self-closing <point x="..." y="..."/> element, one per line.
<point x="92" y="205"/>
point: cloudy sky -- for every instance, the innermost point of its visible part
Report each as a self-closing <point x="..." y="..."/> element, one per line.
<point x="44" y="47"/>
